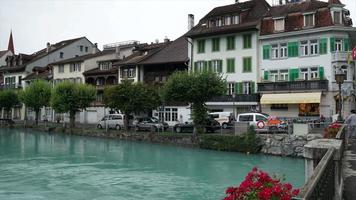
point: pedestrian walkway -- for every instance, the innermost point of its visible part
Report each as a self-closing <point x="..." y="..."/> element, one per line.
<point x="350" y="171"/>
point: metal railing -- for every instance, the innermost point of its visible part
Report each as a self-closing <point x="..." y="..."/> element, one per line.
<point x="237" y="98"/>
<point x="293" y="85"/>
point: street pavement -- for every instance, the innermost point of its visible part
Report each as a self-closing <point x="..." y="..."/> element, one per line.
<point x="350" y="171"/>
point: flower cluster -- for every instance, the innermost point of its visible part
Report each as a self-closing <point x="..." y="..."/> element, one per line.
<point x="331" y="130"/>
<point x="258" y="185"/>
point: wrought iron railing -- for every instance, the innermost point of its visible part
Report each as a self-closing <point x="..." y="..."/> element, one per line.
<point x="237" y="98"/>
<point x="293" y="85"/>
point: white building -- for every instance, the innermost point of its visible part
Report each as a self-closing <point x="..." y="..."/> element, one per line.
<point x="225" y="41"/>
<point x="302" y="45"/>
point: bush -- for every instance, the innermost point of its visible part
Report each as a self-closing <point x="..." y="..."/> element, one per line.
<point x="245" y="143"/>
<point x="258" y="185"/>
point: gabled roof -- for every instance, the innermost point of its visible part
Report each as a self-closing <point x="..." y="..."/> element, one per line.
<point x="252" y="10"/>
<point x="300" y="7"/>
<point x="3" y="53"/>
<point x="84" y="57"/>
<point x="98" y="71"/>
<point x="175" y="52"/>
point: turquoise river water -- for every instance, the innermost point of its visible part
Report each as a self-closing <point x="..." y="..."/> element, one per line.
<point x="36" y="166"/>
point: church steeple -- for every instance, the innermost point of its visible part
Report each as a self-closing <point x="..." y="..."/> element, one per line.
<point x="10" y="47"/>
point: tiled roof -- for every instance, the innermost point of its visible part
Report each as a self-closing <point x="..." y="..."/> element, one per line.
<point x="304" y="6"/>
<point x="45" y="75"/>
<point x="3" y="53"/>
<point x="97" y="71"/>
<point x="175" y="52"/>
<point x="84" y="57"/>
<point x="250" y="14"/>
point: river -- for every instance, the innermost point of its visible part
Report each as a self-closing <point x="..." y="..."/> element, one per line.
<point x="36" y="166"/>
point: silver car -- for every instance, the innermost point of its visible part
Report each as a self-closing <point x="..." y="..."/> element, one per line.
<point x="114" y="121"/>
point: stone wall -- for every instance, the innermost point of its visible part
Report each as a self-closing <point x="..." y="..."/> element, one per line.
<point x="285" y="145"/>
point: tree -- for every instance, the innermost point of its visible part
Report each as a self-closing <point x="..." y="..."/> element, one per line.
<point x="194" y="88"/>
<point x="131" y="98"/>
<point x="8" y="99"/>
<point x="36" y="96"/>
<point x="71" y="97"/>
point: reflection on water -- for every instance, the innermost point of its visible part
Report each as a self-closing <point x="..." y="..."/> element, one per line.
<point x="42" y="166"/>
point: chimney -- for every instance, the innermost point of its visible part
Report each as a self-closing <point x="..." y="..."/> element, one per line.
<point x="190" y="21"/>
<point x="166" y="40"/>
<point x="48" y="47"/>
<point x="117" y="51"/>
<point x="95" y="48"/>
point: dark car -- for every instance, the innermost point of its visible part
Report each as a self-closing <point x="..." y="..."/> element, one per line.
<point x="210" y="126"/>
<point x="148" y="124"/>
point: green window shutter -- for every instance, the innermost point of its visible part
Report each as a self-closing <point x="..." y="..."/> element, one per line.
<point x="346" y="44"/>
<point x="247" y="41"/>
<point x="321" y="73"/>
<point x="205" y="66"/>
<point x="323" y="46"/>
<point x="293" y="49"/>
<point x="230" y="42"/>
<point x="230" y="62"/>
<point x="265" y="75"/>
<point x="201" y="46"/>
<point x="215" y="44"/>
<point x="220" y="66"/>
<point x="210" y="68"/>
<point x="332" y="44"/>
<point x="195" y="66"/>
<point x="247" y="64"/>
<point x="266" y="51"/>
<point x="293" y="74"/>
<point x="238" y="87"/>
<point x="252" y="87"/>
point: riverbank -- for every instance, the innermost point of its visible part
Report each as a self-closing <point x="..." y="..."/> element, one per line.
<point x="272" y="144"/>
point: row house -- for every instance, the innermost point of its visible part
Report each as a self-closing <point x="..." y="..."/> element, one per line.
<point x="303" y="44"/>
<point x="225" y="41"/>
<point x="19" y="66"/>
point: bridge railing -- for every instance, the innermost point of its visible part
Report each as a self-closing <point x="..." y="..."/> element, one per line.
<point x="324" y="168"/>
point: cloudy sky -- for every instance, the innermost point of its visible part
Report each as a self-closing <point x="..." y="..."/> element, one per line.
<point x="36" y="22"/>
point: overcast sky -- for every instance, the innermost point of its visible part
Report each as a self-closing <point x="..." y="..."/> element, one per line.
<point x="36" y="22"/>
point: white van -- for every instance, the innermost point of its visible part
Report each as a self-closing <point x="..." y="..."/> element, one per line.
<point x="112" y="121"/>
<point x="258" y="120"/>
<point x="224" y="118"/>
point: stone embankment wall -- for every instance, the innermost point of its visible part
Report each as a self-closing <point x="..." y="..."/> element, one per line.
<point x="286" y="145"/>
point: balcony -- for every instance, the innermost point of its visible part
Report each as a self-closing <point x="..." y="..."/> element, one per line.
<point x="339" y="56"/>
<point x="238" y="98"/>
<point x="293" y="85"/>
<point x="11" y="86"/>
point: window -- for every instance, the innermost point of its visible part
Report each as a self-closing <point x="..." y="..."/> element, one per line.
<point x="228" y="20"/>
<point x="338" y="45"/>
<point x="75" y="67"/>
<point x="343" y="69"/>
<point x="279" y="24"/>
<point x="174" y="114"/>
<point x="81" y="48"/>
<point x="279" y="107"/>
<point x="215" y="44"/>
<point x="230" y="88"/>
<point x="314" y="47"/>
<point x="273" y="75"/>
<point x="260" y="118"/>
<point x="309" y="20"/>
<point x="246" y="88"/>
<point x="230" y="65"/>
<point x="218" y="22"/>
<point x="304" y="73"/>
<point x="246" y="118"/>
<point x="283" y="50"/>
<point x="247" y="64"/>
<point x="132" y="73"/>
<point x="61" y="54"/>
<point x="199" y="66"/>
<point x="105" y="65"/>
<point x="337" y="17"/>
<point x="309" y="109"/>
<point x="314" y="73"/>
<point x="304" y="48"/>
<point x="201" y="46"/>
<point x="230" y="40"/>
<point x="275" y="53"/>
<point x="216" y="66"/>
<point x="86" y="49"/>
<point x="60" y="68"/>
<point x="247" y="40"/>
<point x="236" y="19"/>
<point x="125" y="73"/>
<point x="283" y="75"/>
<point x="167" y="114"/>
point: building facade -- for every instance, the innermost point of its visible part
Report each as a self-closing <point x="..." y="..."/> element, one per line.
<point x="303" y="44"/>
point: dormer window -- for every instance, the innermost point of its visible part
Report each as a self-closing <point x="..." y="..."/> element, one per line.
<point x="279" y="24"/>
<point x="104" y="65"/>
<point x="337" y="17"/>
<point x="228" y="20"/>
<point x="219" y="22"/>
<point x="235" y="19"/>
<point x="309" y="20"/>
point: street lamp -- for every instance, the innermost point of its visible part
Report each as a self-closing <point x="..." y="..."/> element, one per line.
<point x="340" y="76"/>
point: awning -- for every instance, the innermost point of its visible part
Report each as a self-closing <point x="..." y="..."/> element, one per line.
<point x="291" y="98"/>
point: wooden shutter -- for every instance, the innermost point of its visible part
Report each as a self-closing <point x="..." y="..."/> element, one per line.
<point x="210" y="67"/>
<point x="195" y="67"/>
<point x="220" y="66"/>
<point x="265" y="75"/>
<point x="293" y="74"/>
<point x="238" y="87"/>
<point x="293" y="49"/>
<point x="205" y="66"/>
<point x="266" y="51"/>
<point x="332" y="44"/>
<point x="323" y="46"/>
<point x="252" y="86"/>
<point x="321" y="73"/>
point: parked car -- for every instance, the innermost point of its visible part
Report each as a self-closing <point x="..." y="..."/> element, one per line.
<point x="149" y="123"/>
<point x="112" y="121"/>
<point x="188" y="127"/>
<point x="225" y="119"/>
<point x="261" y="121"/>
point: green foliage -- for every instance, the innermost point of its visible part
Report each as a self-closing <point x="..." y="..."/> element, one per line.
<point x="245" y="143"/>
<point x="36" y="96"/>
<point x="194" y="88"/>
<point x="8" y="99"/>
<point x="131" y="98"/>
<point x="71" y="97"/>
